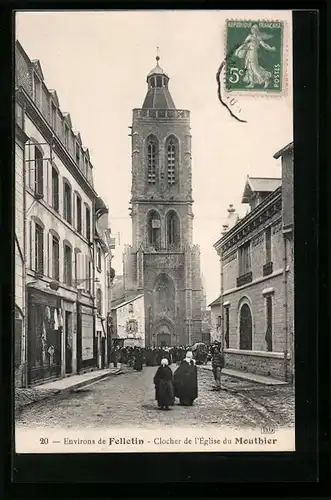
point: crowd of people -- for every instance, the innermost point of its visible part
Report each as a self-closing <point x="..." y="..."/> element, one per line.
<point x="183" y="382"/>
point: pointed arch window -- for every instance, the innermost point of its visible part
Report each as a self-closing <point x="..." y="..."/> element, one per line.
<point x="165" y="295"/>
<point x="152" y="153"/>
<point x="154" y="230"/>
<point x="173" y="231"/>
<point x="171" y="160"/>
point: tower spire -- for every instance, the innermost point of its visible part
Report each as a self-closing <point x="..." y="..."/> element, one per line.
<point x="157" y="55"/>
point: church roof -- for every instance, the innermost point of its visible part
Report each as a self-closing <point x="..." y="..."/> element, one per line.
<point x="158" y="97"/>
<point x="157" y="71"/>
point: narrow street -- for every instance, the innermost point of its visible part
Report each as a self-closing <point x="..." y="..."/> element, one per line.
<point x="127" y="400"/>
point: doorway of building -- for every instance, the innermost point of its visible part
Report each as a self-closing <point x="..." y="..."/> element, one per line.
<point x="163" y="339"/>
<point x="245" y="328"/>
<point x="68" y="340"/>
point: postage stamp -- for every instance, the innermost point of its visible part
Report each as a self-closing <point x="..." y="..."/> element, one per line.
<point x="255" y="60"/>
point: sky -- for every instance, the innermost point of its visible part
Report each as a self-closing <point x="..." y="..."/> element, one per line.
<point x="97" y="61"/>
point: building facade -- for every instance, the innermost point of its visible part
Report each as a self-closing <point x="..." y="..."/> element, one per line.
<point x="60" y="207"/>
<point x="162" y="261"/>
<point x="251" y="312"/>
<point x="20" y="249"/>
<point x="286" y="155"/>
<point x="129" y="322"/>
<point x="104" y="243"/>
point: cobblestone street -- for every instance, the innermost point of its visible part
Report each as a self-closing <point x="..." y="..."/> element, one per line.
<point x="128" y="400"/>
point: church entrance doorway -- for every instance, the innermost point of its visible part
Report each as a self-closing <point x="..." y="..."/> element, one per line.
<point x="163" y="339"/>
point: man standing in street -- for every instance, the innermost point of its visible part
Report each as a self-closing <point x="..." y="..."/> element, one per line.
<point x="217" y="363"/>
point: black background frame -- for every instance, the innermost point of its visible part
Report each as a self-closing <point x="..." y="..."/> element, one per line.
<point x="203" y="474"/>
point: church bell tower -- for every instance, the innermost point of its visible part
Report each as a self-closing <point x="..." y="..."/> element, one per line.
<point x="162" y="261"/>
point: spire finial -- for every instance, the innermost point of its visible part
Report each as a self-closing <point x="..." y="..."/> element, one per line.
<point x="157" y="55"/>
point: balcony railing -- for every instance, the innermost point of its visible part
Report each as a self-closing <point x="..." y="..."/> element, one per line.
<point x="267" y="269"/>
<point x="244" y="279"/>
<point x="161" y="113"/>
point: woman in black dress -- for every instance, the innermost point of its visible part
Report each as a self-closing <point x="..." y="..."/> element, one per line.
<point x="164" y="393"/>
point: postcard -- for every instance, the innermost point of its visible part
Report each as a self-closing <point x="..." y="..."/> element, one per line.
<point x="154" y="231"/>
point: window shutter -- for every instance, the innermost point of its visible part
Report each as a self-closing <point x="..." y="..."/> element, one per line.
<point x="31" y="164"/>
<point x="48" y="175"/>
<point x="32" y="245"/>
<point x="74" y="201"/>
<point x="86" y="272"/>
<point x="50" y="255"/>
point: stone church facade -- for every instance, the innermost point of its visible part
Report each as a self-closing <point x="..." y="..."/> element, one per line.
<point x="162" y="261"/>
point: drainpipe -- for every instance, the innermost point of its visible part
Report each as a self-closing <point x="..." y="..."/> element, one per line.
<point x="285" y="309"/>
<point x="25" y="301"/>
<point x="222" y="308"/>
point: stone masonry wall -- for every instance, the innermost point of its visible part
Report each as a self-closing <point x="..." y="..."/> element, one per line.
<point x="252" y="294"/>
<point x="262" y="364"/>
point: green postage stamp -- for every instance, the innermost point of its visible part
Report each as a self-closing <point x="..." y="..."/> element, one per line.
<point x="254" y="56"/>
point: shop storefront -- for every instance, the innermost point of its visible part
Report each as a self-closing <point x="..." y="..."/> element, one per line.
<point x="45" y="330"/>
<point x="86" y="338"/>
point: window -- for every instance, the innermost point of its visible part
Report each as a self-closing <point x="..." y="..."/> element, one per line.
<point x="99" y="258"/>
<point x="227" y="326"/>
<point x="77" y="153"/>
<point x="244" y="259"/>
<point x="154" y="230"/>
<point x="159" y="81"/>
<point x="151" y="161"/>
<point x="245" y="328"/>
<point x="39" y="179"/>
<point x="67" y="275"/>
<point x="39" y="249"/>
<point x="66" y="136"/>
<point x="173" y="236"/>
<point x="55" y="189"/>
<point x="67" y="208"/>
<point x="171" y="161"/>
<point x="37" y="89"/>
<point x="99" y="301"/>
<point x="53" y="115"/>
<point x="131" y="308"/>
<point x="79" y="214"/>
<point x="268" y="258"/>
<point x="55" y="259"/>
<point x="88" y="223"/>
<point x="268" y="335"/>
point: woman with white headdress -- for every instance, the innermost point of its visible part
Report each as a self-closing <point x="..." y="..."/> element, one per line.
<point x="163" y="378"/>
<point x="186" y="381"/>
<point x="254" y="73"/>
